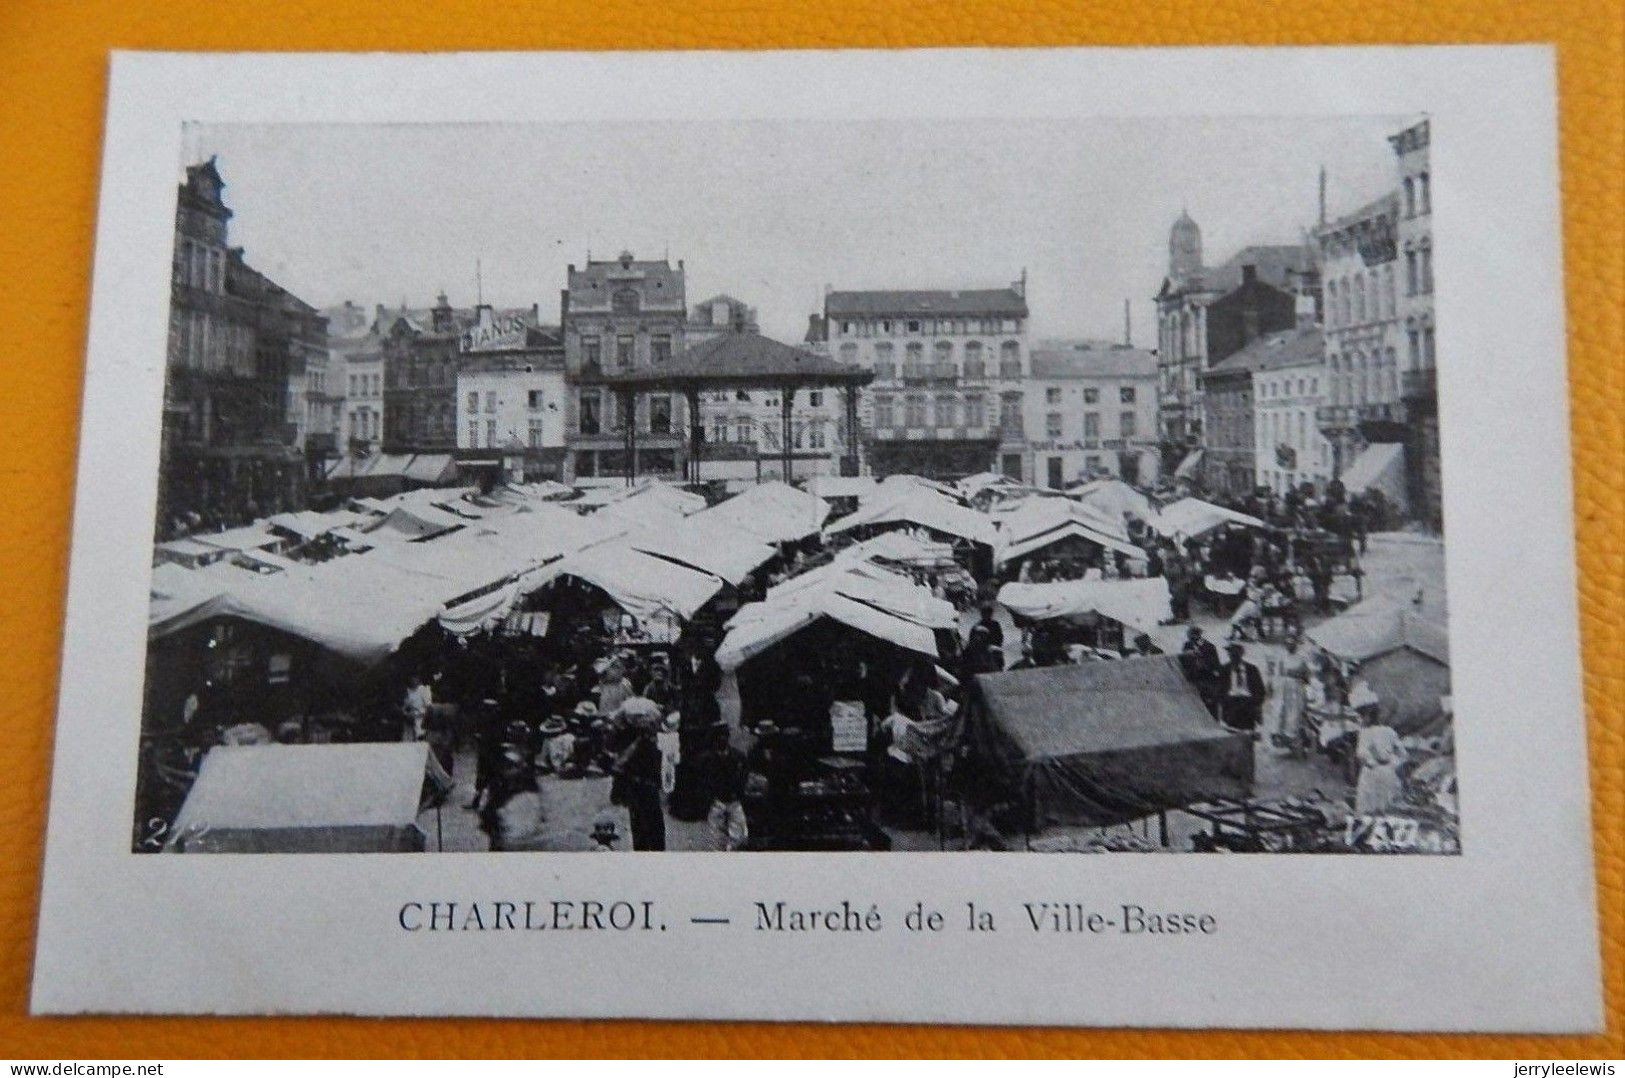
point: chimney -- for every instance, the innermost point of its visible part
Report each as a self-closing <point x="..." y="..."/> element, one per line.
<point x="1249" y="273"/>
<point x="1128" y="325"/>
<point x="1304" y="308"/>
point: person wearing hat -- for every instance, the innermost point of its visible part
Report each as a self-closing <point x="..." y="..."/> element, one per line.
<point x="512" y="815"/>
<point x="614" y="689"/>
<point x="984" y="646"/>
<point x="1200" y="661"/>
<point x="1241" y="691"/>
<point x="636" y="782"/>
<point x="722" y="774"/>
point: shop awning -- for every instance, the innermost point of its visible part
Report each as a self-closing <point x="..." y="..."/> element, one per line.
<point x="360" y="798"/>
<point x="1380" y="466"/>
<point x="1139" y="604"/>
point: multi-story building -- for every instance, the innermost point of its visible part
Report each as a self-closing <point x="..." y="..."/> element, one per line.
<point x="1418" y="382"/>
<point x="422" y="352"/>
<point x="619" y="316"/>
<point x="228" y="451"/>
<point x="356" y="368"/>
<point x="1231" y="405"/>
<point x="512" y="398"/>
<point x="950" y="373"/>
<point x="1205" y="313"/>
<point x="1288" y="387"/>
<point x="1359" y="259"/>
<point x="1091" y="410"/>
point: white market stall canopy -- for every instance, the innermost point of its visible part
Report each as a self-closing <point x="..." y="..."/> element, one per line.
<point x="921" y="507"/>
<point x="707" y="545"/>
<point x="904" y="548"/>
<point x="841" y="486"/>
<point x="1381" y="466"/>
<point x="1113" y="498"/>
<point x="650" y="588"/>
<point x="1041" y="522"/>
<point x="362" y="606"/>
<point x="304" y="798"/>
<point x="1191" y="517"/>
<point x="860" y="595"/>
<point x="1140" y="604"/>
<point x="775" y="512"/>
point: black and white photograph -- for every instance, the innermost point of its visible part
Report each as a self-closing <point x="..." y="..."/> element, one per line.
<point x="1033" y="485"/>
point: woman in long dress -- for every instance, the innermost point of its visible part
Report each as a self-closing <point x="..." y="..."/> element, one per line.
<point x="1380" y="754"/>
<point x="1291" y="698"/>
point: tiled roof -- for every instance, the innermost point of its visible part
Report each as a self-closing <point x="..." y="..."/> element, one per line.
<point x="1287" y="348"/>
<point x="1111" y="361"/>
<point x="745" y="357"/>
<point x="978" y="301"/>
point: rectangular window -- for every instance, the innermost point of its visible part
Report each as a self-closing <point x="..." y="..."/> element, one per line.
<point x="719" y="428"/>
<point x="1125" y="394"/>
<point x="1091" y="425"/>
<point x="625" y="350"/>
<point x="491" y="433"/>
<point x="490" y="401"/>
<point x="659" y="348"/>
<point x="1091" y="395"/>
<point x="815" y="433"/>
<point x="883" y="412"/>
<point x="536" y="434"/>
<point x="946" y="410"/>
<point x="591" y="418"/>
<point x="1125" y="426"/>
<point x="815" y="398"/>
<point x="1052" y="425"/>
<point x="1052" y="395"/>
<point x="533" y="400"/>
<point x="914" y="411"/>
<point x="473" y="402"/>
<point x="591" y="355"/>
<point x="473" y="434"/>
<point x="660" y="413"/>
<point x="975" y="412"/>
<point x="742" y="429"/>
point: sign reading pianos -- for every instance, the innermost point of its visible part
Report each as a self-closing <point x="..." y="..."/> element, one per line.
<point x="496" y="334"/>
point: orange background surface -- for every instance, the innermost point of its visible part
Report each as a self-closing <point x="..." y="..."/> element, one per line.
<point x="53" y="59"/>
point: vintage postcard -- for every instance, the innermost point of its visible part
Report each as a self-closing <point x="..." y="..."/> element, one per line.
<point x="864" y="485"/>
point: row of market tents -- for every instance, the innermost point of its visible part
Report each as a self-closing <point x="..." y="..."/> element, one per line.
<point x="463" y="559"/>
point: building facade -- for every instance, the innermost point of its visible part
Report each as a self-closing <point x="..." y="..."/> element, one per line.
<point x="620" y="316"/>
<point x="420" y="380"/>
<point x="228" y="451"/>
<point x="950" y="366"/>
<point x="1233" y="451"/>
<point x="1360" y="259"/>
<point x="1418" y="380"/>
<point x="512" y="399"/>
<point x="1205" y="313"/>
<point x="1091" y="410"/>
<point x="1287" y="391"/>
<point x="356" y="363"/>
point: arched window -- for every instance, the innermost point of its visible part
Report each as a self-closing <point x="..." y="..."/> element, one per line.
<point x="942" y="354"/>
<point x="1347" y="309"/>
<point x="1009" y="360"/>
<point x="975" y="366"/>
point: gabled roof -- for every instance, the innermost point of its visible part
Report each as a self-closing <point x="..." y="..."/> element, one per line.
<point x="1287" y="348"/>
<point x="1367" y="630"/>
<point x="976" y="301"/>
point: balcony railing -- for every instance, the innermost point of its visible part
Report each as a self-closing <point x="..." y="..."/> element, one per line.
<point x="936" y="373"/>
<point x="1421" y="383"/>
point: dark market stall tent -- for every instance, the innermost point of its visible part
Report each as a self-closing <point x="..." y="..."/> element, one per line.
<point x="1403" y="656"/>
<point x="1104" y="743"/>
<point x="361" y="798"/>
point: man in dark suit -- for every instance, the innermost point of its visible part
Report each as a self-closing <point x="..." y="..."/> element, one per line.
<point x="1200" y="661"/>
<point x="1241" y="692"/>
